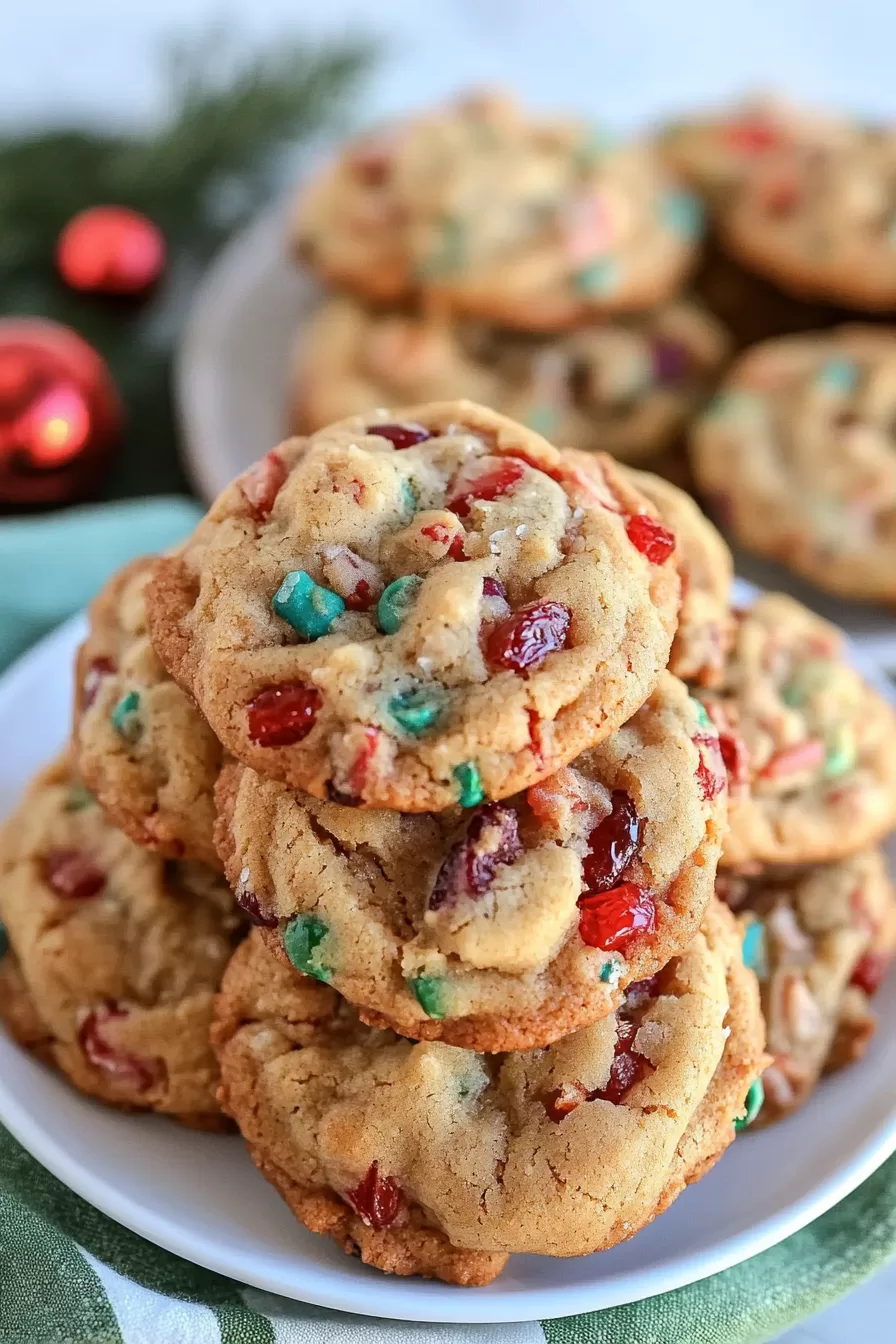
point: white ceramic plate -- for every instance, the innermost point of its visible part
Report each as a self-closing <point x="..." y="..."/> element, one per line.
<point x="199" y="1195"/>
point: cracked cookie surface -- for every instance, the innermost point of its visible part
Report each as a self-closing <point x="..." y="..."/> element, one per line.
<point x="503" y="927"/>
<point x="433" y="1160"/>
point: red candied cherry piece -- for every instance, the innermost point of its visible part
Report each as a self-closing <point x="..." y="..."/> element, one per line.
<point x="655" y="542"/>
<point x="781" y="197"/>
<point x="734" y="754"/>
<point x="401" y="436"/>
<point x="98" y="669"/>
<point x="73" y="875"/>
<point x="442" y="536"/>
<point x="139" y="1072"/>
<point x="870" y="971"/>
<point x="611" y="920"/>
<point x="535" y="738"/>
<point x="612" y="844"/>
<point x="492" y="838"/>
<point x="751" y="137"/>
<point x="524" y="640"/>
<point x="627" y="1069"/>
<point x="280" y="716"/>
<point x="357" y="775"/>
<point x="490" y="485"/>
<point x="793" y="760"/>
<point x="711" y="782"/>
<point x="261" y="485"/>
<point x="249" y="902"/>
<point x="377" y="1200"/>
<point x="559" y="1102"/>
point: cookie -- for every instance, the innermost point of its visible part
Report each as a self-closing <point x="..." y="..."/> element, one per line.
<point x="796" y="455"/>
<point x="813" y="936"/>
<point x="821" y="221"/>
<point x="810" y="748"/>
<point x="504" y="927"/>
<point x="717" y="151"/>
<point x="628" y="387"/>
<point x="418" y="608"/>
<point x="117" y="954"/>
<point x="141" y="745"/>
<point x="484" y="211"/>
<point x="705" y="624"/>
<point x="432" y="1160"/>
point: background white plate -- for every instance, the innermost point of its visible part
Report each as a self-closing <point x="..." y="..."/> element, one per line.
<point x="199" y="1195"/>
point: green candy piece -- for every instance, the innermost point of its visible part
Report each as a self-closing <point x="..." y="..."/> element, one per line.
<point x="78" y="798"/>
<point x="415" y="711"/>
<point x="752" y="1106"/>
<point x="755" y="950"/>
<point x="429" y="991"/>
<point x="812" y="676"/>
<point x="4" y="941"/>
<point x="838" y="375"/>
<point x="308" y="607"/>
<point x="302" y="938"/>
<point x="682" y="213"/>
<point x="396" y="601"/>
<point x="409" y="497"/>
<point x="610" y="972"/>
<point x="126" y="717"/>
<point x="601" y="277"/>
<point x="543" y="419"/>
<point x="596" y="142"/>
<point x="470" y="782"/>
<point x="452" y="250"/>
<point x="840" y="754"/>
<point x="702" y="717"/>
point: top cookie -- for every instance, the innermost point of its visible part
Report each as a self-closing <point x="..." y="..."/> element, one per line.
<point x="490" y="213"/>
<point x="821" y="222"/>
<point x="716" y="152"/>
<point x="419" y="608"/>
<point x="141" y="745"/>
<point x="797" y="453"/>
<point x="810" y="749"/>
<point x="627" y="387"/>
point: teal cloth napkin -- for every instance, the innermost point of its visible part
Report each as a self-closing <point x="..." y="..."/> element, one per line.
<point x="68" y="1275"/>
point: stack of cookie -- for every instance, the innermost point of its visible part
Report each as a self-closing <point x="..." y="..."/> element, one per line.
<point x="531" y="264"/>
<point x="420" y="685"/>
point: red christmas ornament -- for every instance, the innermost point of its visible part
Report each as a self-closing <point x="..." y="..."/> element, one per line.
<point x="109" y="249"/>
<point x="59" y="412"/>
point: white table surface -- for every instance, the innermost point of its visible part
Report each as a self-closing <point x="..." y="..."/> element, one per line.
<point x="626" y="64"/>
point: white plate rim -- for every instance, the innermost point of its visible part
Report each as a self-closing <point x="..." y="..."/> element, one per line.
<point x="401" y="1302"/>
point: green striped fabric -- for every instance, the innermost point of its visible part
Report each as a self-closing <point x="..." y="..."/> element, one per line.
<point x="68" y="1275"/>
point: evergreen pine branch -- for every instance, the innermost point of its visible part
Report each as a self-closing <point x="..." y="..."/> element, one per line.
<point x="230" y="121"/>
